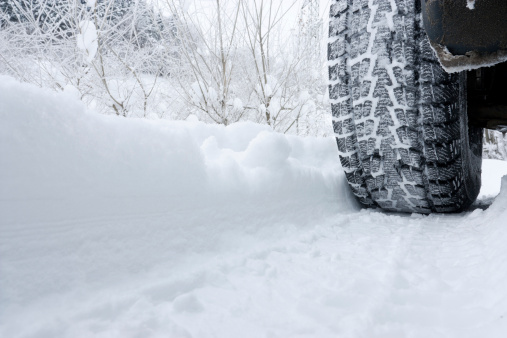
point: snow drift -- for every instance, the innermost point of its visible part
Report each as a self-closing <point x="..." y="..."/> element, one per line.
<point x="114" y="227"/>
<point x="53" y="149"/>
<point x="73" y="181"/>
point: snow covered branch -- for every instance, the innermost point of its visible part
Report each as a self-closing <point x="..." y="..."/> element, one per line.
<point x="222" y="60"/>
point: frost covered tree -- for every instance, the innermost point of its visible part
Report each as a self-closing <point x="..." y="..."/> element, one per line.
<point x="272" y="71"/>
<point x="314" y="72"/>
<point x="494" y="145"/>
<point x="48" y="16"/>
<point x="288" y="79"/>
<point x="34" y="39"/>
<point x="128" y="48"/>
<point x="221" y="60"/>
<point x="241" y="62"/>
<point x="209" y="43"/>
<point x="108" y="51"/>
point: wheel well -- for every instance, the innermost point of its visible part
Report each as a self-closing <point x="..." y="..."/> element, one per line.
<point x="487" y="97"/>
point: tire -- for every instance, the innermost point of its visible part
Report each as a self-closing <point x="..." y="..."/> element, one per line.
<point x="399" y="119"/>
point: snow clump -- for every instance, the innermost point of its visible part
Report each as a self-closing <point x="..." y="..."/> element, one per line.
<point x="87" y="40"/>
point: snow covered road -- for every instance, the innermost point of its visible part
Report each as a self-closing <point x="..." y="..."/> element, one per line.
<point x="122" y="228"/>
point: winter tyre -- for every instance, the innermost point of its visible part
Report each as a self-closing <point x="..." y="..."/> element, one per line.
<point x="399" y="119"/>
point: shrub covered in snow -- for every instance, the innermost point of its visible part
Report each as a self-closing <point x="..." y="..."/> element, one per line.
<point x="222" y="62"/>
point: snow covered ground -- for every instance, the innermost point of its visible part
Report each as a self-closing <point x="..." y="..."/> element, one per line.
<point x="114" y="227"/>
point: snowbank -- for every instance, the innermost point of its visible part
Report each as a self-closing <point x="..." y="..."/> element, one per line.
<point x="89" y="201"/>
<point x="53" y="149"/>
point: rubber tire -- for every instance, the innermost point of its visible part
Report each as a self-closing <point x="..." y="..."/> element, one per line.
<point x="399" y="119"/>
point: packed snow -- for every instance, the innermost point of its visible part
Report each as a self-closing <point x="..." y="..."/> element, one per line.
<point x="115" y="227"/>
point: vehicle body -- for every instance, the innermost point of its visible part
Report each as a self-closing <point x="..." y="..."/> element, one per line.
<point x="473" y="38"/>
<point x="409" y="100"/>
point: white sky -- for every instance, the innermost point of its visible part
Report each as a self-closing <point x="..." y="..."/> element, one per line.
<point x="203" y="10"/>
<point x="204" y="7"/>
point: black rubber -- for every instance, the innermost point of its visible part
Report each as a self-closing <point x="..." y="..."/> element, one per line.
<point x="400" y="120"/>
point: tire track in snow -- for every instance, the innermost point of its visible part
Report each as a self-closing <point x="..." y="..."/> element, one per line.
<point x="441" y="288"/>
<point x="366" y="274"/>
<point x="402" y="240"/>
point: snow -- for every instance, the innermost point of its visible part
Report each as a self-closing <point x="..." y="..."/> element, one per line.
<point x="492" y="171"/>
<point x="470" y="61"/>
<point x="87" y="39"/>
<point x="115" y="227"/>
